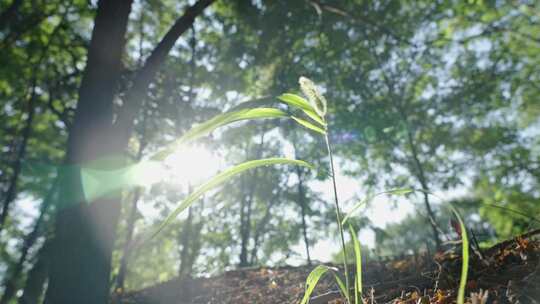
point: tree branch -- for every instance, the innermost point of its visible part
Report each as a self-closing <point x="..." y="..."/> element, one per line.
<point x="145" y="75"/>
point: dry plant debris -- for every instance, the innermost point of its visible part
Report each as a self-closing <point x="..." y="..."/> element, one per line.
<point x="508" y="272"/>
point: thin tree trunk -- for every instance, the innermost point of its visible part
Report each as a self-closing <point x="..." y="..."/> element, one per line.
<point x="186" y="235"/>
<point x="301" y="199"/>
<point x="37" y="276"/>
<point x="302" y="203"/>
<point x="425" y="190"/>
<point x="120" y="279"/>
<point x="11" y="192"/>
<point x="28" y="242"/>
<point x="245" y="222"/>
<point x="9" y="15"/>
<point x="261" y="226"/>
<point x="247" y="207"/>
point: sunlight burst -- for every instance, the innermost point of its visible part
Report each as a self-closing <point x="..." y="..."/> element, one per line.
<point x="190" y="165"/>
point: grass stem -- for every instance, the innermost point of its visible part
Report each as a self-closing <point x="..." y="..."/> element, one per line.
<point x="338" y="213"/>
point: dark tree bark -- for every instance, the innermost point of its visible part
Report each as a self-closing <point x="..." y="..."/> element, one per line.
<point x="37" y="276"/>
<point x="185" y="242"/>
<point x="9" y="15"/>
<point x="28" y="242"/>
<point x="303" y="207"/>
<point x="143" y="78"/>
<point x="11" y="192"/>
<point x="420" y="175"/>
<point x="246" y="206"/>
<point x="132" y="217"/>
<point x="85" y="231"/>
<point x="245" y="221"/>
<point x="261" y="226"/>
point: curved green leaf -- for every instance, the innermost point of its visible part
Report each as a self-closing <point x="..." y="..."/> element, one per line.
<point x="299" y="102"/>
<point x="343" y="288"/>
<point x="368" y="198"/>
<point x="216" y="122"/>
<point x="312" y="280"/>
<point x="296" y="101"/>
<point x="308" y="125"/>
<point x="315" y="117"/>
<point x="358" y="257"/>
<point x="220" y="179"/>
<point x="464" y="249"/>
<point x="465" y="257"/>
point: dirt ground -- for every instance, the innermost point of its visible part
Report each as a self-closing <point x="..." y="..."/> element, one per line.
<point x="509" y="272"/>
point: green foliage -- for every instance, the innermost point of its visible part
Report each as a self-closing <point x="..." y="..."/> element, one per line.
<point x="358" y="262"/>
<point x="220" y="179"/>
<point x="456" y="82"/>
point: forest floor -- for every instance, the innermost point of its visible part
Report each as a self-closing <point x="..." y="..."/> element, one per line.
<point x="508" y="271"/>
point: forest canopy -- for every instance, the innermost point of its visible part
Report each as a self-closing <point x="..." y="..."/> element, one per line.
<point x="113" y="113"/>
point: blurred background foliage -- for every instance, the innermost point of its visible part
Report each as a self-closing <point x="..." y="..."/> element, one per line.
<point x="435" y="95"/>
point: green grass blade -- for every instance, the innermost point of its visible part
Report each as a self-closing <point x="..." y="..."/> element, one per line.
<point x="358" y="258"/>
<point x="342" y="288"/>
<point x="315" y="117"/>
<point x="368" y="198"/>
<point x="216" y="122"/>
<point x="356" y="293"/>
<point x="355" y="208"/>
<point x="465" y="257"/>
<point x="464" y="250"/>
<point x="400" y="191"/>
<point x="299" y="102"/>
<point x="220" y="179"/>
<point x="312" y="280"/>
<point x="296" y="101"/>
<point x="308" y="125"/>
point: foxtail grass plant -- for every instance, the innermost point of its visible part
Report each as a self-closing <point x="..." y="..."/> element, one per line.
<point x="311" y="114"/>
<point x="319" y="104"/>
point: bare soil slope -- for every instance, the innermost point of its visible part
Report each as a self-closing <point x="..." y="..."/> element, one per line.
<point x="508" y="271"/>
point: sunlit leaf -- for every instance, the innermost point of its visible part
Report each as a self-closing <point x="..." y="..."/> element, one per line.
<point x="308" y="125"/>
<point x="465" y="257"/>
<point x="216" y="122"/>
<point x="358" y="258"/>
<point x="343" y="288"/>
<point x="315" y="117"/>
<point x="368" y="198"/>
<point x="464" y="250"/>
<point x="399" y="191"/>
<point x="312" y="280"/>
<point x="296" y="101"/>
<point x="299" y="102"/>
<point x="220" y="179"/>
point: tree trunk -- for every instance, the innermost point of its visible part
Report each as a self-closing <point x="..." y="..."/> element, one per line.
<point x="15" y="273"/>
<point x="36" y="278"/>
<point x="9" y="15"/>
<point x="245" y="222"/>
<point x="425" y="190"/>
<point x="11" y="192"/>
<point x="185" y="238"/>
<point x="85" y="231"/>
<point x="120" y="279"/>
<point x="261" y="226"/>
<point x="247" y="206"/>
<point x="303" y="207"/>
